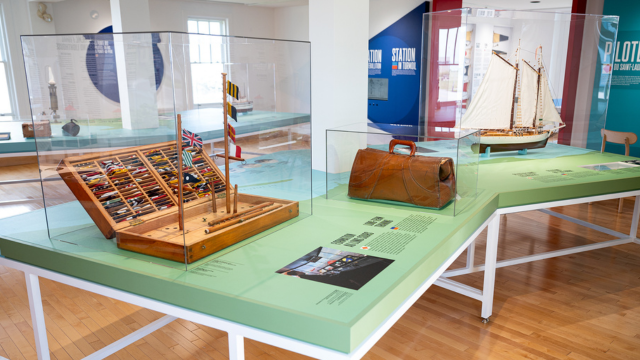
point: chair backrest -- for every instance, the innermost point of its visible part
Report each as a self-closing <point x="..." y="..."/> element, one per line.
<point x="618" y="137"/>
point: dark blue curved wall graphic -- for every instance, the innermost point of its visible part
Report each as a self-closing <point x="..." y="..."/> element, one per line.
<point x="405" y="36"/>
<point x="101" y="63"/>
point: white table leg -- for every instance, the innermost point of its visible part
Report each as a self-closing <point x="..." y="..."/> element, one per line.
<point x="491" y="257"/>
<point x="471" y="253"/>
<point x="635" y="217"/>
<point x="37" y="316"/>
<point x="236" y="347"/>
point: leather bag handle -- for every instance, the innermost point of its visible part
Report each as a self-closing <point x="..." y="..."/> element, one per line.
<point x="409" y="143"/>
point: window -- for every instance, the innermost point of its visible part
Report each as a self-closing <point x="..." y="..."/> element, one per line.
<point x="207" y="54"/>
<point x="6" y="95"/>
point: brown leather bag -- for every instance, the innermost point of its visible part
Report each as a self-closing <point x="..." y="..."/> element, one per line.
<point x="420" y="180"/>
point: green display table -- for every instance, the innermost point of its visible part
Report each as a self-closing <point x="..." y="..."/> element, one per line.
<point x="240" y="287"/>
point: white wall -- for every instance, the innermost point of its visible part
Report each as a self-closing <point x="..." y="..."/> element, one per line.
<point x="39" y="26"/>
<point x="339" y="56"/>
<point x="252" y="21"/>
<point x="292" y="23"/>
<point x="72" y="16"/>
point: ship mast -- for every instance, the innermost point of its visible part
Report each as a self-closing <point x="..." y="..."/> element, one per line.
<point x="518" y="95"/>
<point x="536" y="121"/>
<point x="535" y="124"/>
<point x="226" y="144"/>
<point x="515" y="87"/>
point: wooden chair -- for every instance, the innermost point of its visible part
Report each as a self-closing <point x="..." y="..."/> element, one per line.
<point x="618" y="137"/>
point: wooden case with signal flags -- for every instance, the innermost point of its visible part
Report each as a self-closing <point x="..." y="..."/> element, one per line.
<point x="131" y="194"/>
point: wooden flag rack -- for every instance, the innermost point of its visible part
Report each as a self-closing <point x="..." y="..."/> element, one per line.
<point x="132" y="194"/>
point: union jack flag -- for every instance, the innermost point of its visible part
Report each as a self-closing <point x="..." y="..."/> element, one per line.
<point x="192" y="139"/>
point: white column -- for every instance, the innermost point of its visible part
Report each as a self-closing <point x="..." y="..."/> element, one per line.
<point x="339" y="35"/>
<point x="134" y="60"/>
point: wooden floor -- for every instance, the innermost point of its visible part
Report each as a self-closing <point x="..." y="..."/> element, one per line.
<point x="582" y="306"/>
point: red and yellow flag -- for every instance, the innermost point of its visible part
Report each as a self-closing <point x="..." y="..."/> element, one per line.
<point x="232" y="133"/>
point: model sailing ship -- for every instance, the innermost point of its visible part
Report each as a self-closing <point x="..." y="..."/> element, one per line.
<point x="508" y="125"/>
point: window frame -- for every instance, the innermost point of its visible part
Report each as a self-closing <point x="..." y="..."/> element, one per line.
<point x="5" y="58"/>
<point x="224" y="56"/>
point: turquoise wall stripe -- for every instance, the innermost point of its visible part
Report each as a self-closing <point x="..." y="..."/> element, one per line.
<point x="622" y="113"/>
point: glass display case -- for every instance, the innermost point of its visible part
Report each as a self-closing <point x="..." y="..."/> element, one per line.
<point x="393" y="166"/>
<point x="526" y="79"/>
<point x="168" y="147"/>
<point x="19" y="180"/>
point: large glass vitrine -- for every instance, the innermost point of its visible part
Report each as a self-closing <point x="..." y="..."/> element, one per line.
<point x="135" y="117"/>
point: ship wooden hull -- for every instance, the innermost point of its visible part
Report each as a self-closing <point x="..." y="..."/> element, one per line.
<point x="507" y="142"/>
<point x="514" y="146"/>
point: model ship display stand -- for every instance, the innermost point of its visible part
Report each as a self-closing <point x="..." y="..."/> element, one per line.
<point x="507" y="124"/>
<point x="133" y="194"/>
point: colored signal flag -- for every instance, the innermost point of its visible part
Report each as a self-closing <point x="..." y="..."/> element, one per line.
<point x="189" y="179"/>
<point x="231" y="111"/>
<point x="235" y="150"/>
<point x="187" y="159"/>
<point x="232" y="133"/>
<point x="193" y="139"/>
<point x="232" y="89"/>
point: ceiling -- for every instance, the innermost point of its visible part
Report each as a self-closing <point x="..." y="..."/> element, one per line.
<point x="517" y="4"/>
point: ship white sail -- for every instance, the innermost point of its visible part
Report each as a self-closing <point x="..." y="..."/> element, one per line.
<point x="528" y="95"/>
<point x="492" y="103"/>
<point x="546" y="110"/>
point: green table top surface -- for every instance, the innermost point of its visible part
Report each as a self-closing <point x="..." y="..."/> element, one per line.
<point x="240" y="283"/>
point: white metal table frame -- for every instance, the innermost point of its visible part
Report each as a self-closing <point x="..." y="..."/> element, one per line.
<point x="491" y="264"/>
<point x="237" y="332"/>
